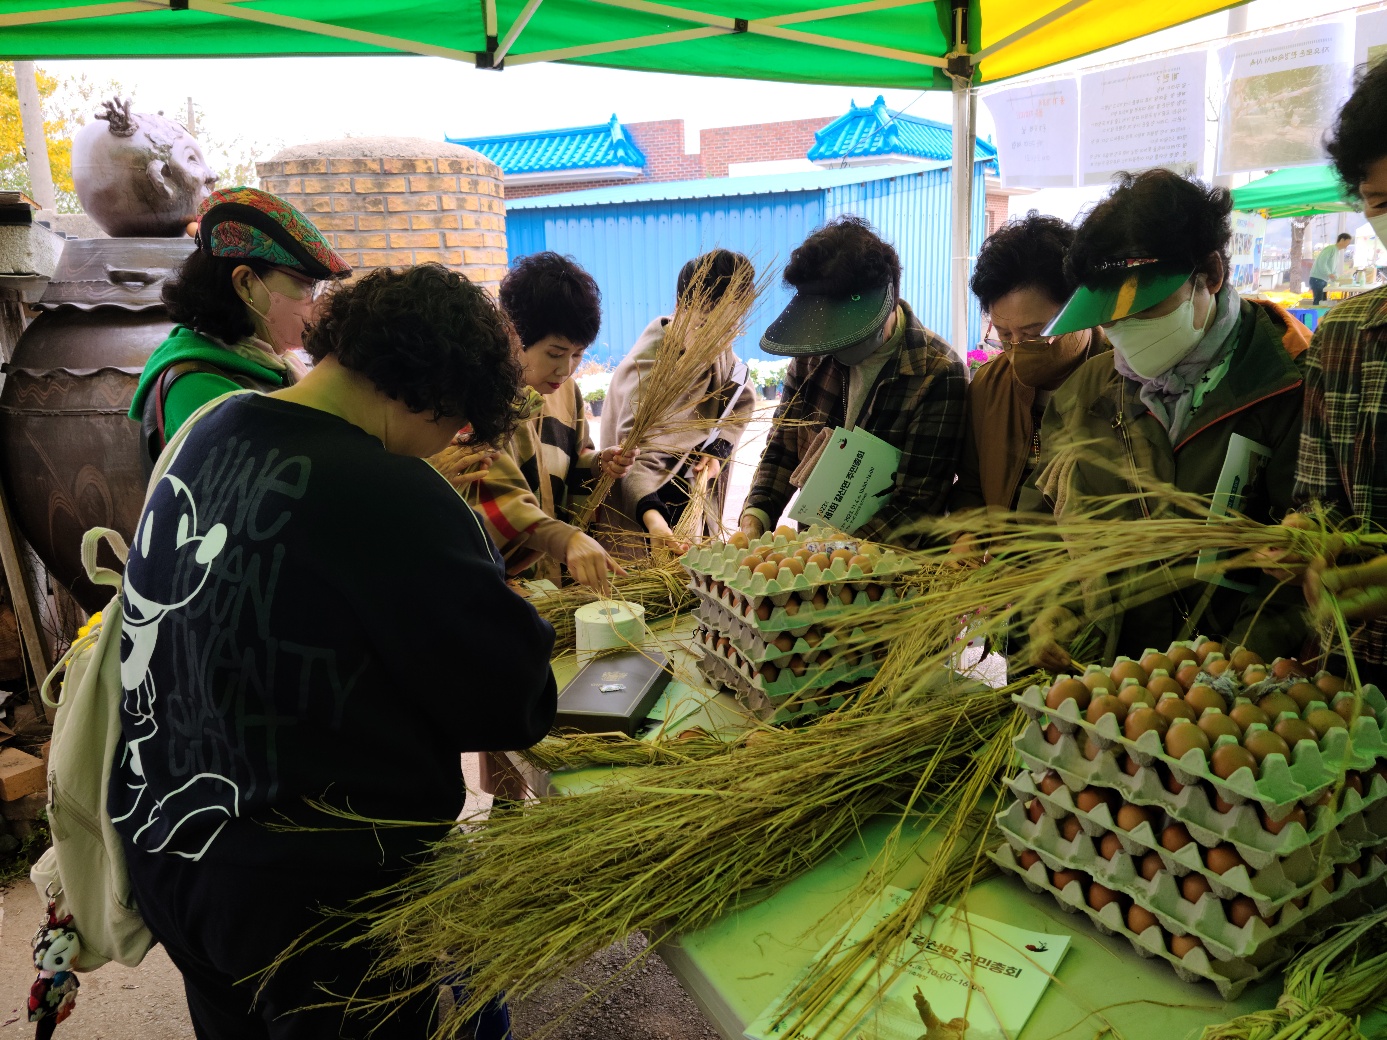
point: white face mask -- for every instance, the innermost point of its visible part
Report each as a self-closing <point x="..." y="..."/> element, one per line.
<point x="285" y="318"/>
<point x="1153" y="346"/>
<point x="1379" y="226"/>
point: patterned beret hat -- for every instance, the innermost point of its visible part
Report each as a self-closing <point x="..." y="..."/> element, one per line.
<point x="249" y="224"/>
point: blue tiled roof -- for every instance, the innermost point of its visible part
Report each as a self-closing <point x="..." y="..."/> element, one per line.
<point x="549" y="151"/>
<point x="875" y="130"/>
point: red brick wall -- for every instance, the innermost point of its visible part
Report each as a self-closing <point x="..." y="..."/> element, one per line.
<point x="996" y="212"/>
<point x="662" y="141"/>
<point x="761" y="142"/>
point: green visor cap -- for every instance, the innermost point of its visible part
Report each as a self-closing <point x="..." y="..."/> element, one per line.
<point x="817" y="323"/>
<point x="1117" y="290"/>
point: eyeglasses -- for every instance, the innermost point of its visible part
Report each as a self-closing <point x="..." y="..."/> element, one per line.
<point x="1030" y="343"/>
<point x="309" y="288"/>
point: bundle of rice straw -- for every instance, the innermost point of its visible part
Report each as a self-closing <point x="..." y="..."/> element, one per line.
<point x="661" y="588"/>
<point x="694" y="339"/>
<point x="1327" y="988"/>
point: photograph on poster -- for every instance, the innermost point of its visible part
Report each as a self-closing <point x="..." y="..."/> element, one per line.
<point x="1245" y="250"/>
<point x="1037" y="133"/>
<point x="1281" y="92"/>
<point x="1142" y="116"/>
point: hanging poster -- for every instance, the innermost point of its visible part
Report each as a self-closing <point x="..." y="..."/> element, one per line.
<point x="1142" y="116"/>
<point x="1370" y="38"/>
<point x="1037" y="133"/>
<point x="1283" y="91"/>
<point x="1245" y="251"/>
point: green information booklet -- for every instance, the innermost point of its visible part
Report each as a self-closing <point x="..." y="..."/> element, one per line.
<point x="963" y="977"/>
<point x="852" y="480"/>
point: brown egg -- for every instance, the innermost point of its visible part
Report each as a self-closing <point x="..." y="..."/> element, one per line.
<point x="1089" y="748"/>
<point x="802" y="554"/>
<point x="1105" y="704"/>
<point x="753" y="561"/>
<point x="1152" y="660"/>
<point x="1070" y="828"/>
<point x="1201" y="697"/>
<point x="1286" y="667"/>
<point x="765" y="608"/>
<point x="1034" y="810"/>
<point x="1350" y="707"/>
<point x="1329" y="884"/>
<point x="1172" y="785"/>
<point x="1221" y="806"/>
<point x="846" y="596"/>
<point x="842" y="554"/>
<point x="1100" y="896"/>
<point x="1027" y="858"/>
<point x="1353" y="868"/>
<point x="1130" y="765"/>
<point x="1179" y="654"/>
<point x="1222" y="858"/>
<point x="1135" y="695"/>
<point x="1174" y="708"/>
<point x="1139" y="919"/>
<point x="786" y="531"/>
<point x="1216" y="666"/>
<point x="1241" y="657"/>
<point x="1150" y="865"/>
<point x="769" y="672"/>
<point x="1255" y="673"/>
<point x="1276" y="703"/>
<point x="1050" y="782"/>
<point x="814" y="636"/>
<point x="1263" y="742"/>
<point x="1245" y="714"/>
<point x="1183" y="944"/>
<point x="1090" y="798"/>
<point x="776" y="558"/>
<point x="1183" y="737"/>
<point x="1141" y="719"/>
<point x="863" y="562"/>
<point x="1204" y="649"/>
<point x="1330" y="684"/>
<point x="769" y="570"/>
<point x="791" y="606"/>
<point x="1175" y="836"/>
<point x="1162" y="685"/>
<point x="819" y="600"/>
<point x="739" y="540"/>
<point x="1194" y="887"/>
<point x="1353" y="782"/>
<point x="1097" y="679"/>
<point x="1293" y="731"/>
<point x="793" y="564"/>
<point x="1052" y="734"/>
<point x="819" y="560"/>
<point x="873" y="591"/>
<point x="1109" y="846"/>
<point x="1296" y="815"/>
<point x="1215" y="724"/>
<point x="797" y="666"/>
<point x="1322" y="720"/>
<point x="785" y="642"/>
<point x="1240" y="910"/>
<point x="1061" y="878"/>
<point x="1130" y="817"/>
<point x="1126" y="668"/>
<point x="1186" y="673"/>
<point x="1227" y="759"/>
<point x="1067" y="690"/>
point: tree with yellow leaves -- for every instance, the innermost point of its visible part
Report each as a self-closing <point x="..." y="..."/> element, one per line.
<point x="58" y="128"/>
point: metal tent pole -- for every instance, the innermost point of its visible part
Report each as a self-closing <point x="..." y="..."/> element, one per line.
<point x="964" y="132"/>
<point x="35" y="143"/>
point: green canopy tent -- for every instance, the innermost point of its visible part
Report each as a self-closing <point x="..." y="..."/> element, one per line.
<point x="1302" y="191"/>
<point x="925" y="44"/>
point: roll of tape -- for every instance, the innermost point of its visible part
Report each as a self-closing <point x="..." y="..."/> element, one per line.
<point x="607" y="624"/>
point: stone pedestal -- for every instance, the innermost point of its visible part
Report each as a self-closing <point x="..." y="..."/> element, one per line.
<point x="396" y="201"/>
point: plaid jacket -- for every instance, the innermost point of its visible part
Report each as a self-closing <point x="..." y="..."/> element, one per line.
<point x="1343" y="441"/>
<point x="915" y="404"/>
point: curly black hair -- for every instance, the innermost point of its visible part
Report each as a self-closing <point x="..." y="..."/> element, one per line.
<point x="1155" y="214"/>
<point x="1025" y="253"/>
<point x="720" y="268"/>
<point x="844" y="256"/>
<point x="546" y="294"/>
<point x="429" y="338"/>
<point x="201" y="296"/>
<point x="1356" y="141"/>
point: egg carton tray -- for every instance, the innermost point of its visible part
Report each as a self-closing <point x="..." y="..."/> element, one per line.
<point x="790" y="709"/>
<point x="1313" y="768"/>
<point x="715" y="615"/>
<point x="1243" y="830"/>
<point x="722" y="562"/>
<point x="1161" y="893"/>
<point x="1192" y="806"/>
<point x="738" y="607"/>
<point x="755" y="647"/>
<point x="1229" y="977"/>
<point x="1280" y="881"/>
<point x="740" y="674"/>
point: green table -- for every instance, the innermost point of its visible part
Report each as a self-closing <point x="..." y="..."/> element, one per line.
<point x="734" y="968"/>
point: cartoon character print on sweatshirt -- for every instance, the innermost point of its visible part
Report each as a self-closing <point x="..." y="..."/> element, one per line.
<point x="168" y="531"/>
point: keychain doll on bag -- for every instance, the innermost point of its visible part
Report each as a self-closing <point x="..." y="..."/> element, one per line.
<point x="54" y="992"/>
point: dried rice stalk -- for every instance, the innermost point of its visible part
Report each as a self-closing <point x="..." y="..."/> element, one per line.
<point x="694" y="339"/>
<point x="661" y="589"/>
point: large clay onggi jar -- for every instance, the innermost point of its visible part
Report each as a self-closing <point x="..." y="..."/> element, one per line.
<point x="69" y="454"/>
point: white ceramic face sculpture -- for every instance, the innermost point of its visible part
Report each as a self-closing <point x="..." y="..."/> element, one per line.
<point x="138" y="174"/>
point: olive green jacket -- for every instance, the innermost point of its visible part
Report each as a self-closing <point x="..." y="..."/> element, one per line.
<point x="1101" y="440"/>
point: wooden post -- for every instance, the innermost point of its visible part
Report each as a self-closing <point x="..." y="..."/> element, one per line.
<point x="25" y="611"/>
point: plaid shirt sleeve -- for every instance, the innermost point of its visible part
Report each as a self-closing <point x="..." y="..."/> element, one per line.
<point x="1315" y="465"/>
<point x="770" y="487"/>
<point x="929" y="456"/>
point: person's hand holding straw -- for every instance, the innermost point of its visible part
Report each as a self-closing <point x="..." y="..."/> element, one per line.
<point x="462" y="464"/>
<point x="1359" y="590"/>
<point x="616" y="463"/>
<point x="1049" y="634"/>
<point x="589" y="563"/>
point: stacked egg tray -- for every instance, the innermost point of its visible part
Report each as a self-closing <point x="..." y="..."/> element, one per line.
<point x="778" y="641"/>
<point x="1219" y="871"/>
